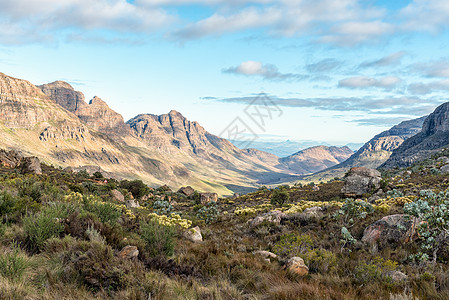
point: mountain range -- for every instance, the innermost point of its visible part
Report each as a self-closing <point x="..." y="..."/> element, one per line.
<point x="54" y="122"/>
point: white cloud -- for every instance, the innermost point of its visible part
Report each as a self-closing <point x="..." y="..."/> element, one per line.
<point x="425" y="15"/>
<point x="389" y="60"/>
<point x="352" y="33"/>
<point x="267" y="71"/>
<point x="433" y="69"/>
<point x="388" y="82"/>
<point x="430" y="87"/>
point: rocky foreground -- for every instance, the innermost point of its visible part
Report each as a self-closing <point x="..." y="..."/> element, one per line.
<point x="71" y="235"/>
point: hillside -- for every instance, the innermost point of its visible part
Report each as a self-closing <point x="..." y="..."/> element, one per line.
<point x="433" y="137"/>
<point x="375" y="152"/>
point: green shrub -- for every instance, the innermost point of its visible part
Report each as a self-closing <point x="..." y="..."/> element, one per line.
<point x="7" y="204"/>
<point x="279" y="197"/>
<point x="209" y="212"/>
<point x="105" y="211"/>
<point x="159" y="239"/>
<point x="353" y="210"/>
<point x="13" y="263"/>
<point x="291" y="245"/>
<point x="374" y="270"/>
<point x="320" y="260"/>
<point x="46" y="224"/>
<point x="162" y="206"/>
<point x="136" y="187"/>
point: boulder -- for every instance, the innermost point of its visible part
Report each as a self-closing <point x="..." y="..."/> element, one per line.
<point x="208" y="197"/>
<point x="361" y="181"/>
<point x="313" y="212"/>
<point x="315" y="188"/>
<point x="31" y="165"/>
<point x="297" y="266"/>
<point x="194" y="235"/>
<point x="10" y="159"/>
<point x="266" y="255"/>
<point x="128" y="252"/>
<point x="445" y="169"/>
<point x="116" y="195"/>
<point x="274" y="217"/>
<point x="132" y="203"/>
<point x="391" y="229"/>
<point x="187" y="190"/>
<point x="396" y="276"/>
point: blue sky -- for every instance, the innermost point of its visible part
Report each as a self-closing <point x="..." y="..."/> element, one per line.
<point x="339" y="70"/>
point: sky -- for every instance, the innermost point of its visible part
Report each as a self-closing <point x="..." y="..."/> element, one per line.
<point x="337" y="71"/>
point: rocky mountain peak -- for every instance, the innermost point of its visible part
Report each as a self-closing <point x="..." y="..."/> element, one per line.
<point x="438" y="121"/>
<point x="64" y="94"/>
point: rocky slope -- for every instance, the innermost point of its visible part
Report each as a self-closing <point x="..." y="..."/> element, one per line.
<point x="433" y="136"/>
<point x="375" y="152"/>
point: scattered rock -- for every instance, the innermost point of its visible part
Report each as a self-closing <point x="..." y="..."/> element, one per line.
<point x="208" y="197"/>
<point x="116" y="195"/>
<point x="132" y="203"/>
<point x="31" y="165"/>
<point x="274" y="217"/>
<point x="194" y="235"/>
<point x="445" y="169"/>
<point x="361" y="181"/>
<point x="396" y="276"/>
<point x="128" y="252"/>
<point x="379" y="195"/>
<point x="391" y="229"/>
<point x="315" y="188"/>
<point x="187" y="190"/>
<point x="266" y="255"/>
<point x="297" y="266"/>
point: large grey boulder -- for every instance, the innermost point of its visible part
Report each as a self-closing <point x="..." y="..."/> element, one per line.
<point x="274" y="217"/>
<point x="186" y="190"/>
<point x="361" y="181"/>
<point x="31" y="165"/>
<point x="391" y="229"/>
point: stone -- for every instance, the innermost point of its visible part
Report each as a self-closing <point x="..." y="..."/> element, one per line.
<point x="396" y="276"/>
<point x="132" y="203"/>
<point x="297" y="266"/>
<point x="117" y="195"/>
<point x="445" y="169"/>
<point x="10" y="159"/>
<point x="361" y="181"/>
<point x="31" y="165"/>
<point x="208" y="197"/>
<point x="194" y="234"/>
<point x="187" y="190"/>
<point x="313" y="212"/>
<point x="266" y="255"/>
<point x="315" y="188"/>
<point x="392" y="229"/>
<point x="274" y="217"/>
<point x="128" y="252"/>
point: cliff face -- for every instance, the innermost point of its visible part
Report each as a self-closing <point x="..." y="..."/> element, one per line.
<point x="96" y="114"/>
<point x="433" y="136"/>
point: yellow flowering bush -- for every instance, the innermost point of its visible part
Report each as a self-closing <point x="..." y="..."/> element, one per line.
<point x="245" y="211"/>
<point x="302" y="205"/>
<point x="172" y="220"/>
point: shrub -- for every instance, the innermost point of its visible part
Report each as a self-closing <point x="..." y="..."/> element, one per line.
<point x="13" y="263"/>
<point x="432" y="210"/>
<point x="291" y="245"/>
<point x="279" y="197"/>
<point x="136" y="187"/>
<point x="208" y="213"/>
<point x="105" y="211"/>
<point x="374" y="270"/>
<point x="320" y="260"/>
<point x="160" y="239"/>
<point x="162" y="207"/>
<point x="353" y="210"/>
<point x="7" y="204"/>
<point x="46" y="224"/>
<point x="97" y="175"/>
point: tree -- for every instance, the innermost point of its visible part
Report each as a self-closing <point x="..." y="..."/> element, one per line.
<point x="279" y="197"/>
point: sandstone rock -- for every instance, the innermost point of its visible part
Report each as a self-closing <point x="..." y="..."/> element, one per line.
<point x="391" y="229"/>
<point x="315" y="188"/>
<point x="132" y="203"/>
<point x="208" y="197"/>
<point x="187" y="190"/>
<point x="313" y="212"/>
<point x="10" y="159"/>
<point x="31" y="165"/>
<point x="128" y="252"/>
<point x="266" y="255"/>
<point x="194" y="234"/>
<point x="396" y="276"/>
<point x="274" y="217"/>
<point x="117" y="195"/>
<point x="361" y="181"/>
<point x="297" y="266"/>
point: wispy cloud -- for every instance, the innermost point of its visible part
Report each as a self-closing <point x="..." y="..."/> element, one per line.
<point x="420" y="88"/>
<point x="379" y="121"/>
<point x="325" y="65"/>
<point x="439" y="68"/>
<point x="267" y="71"/>
<point x="407" y="106"/>
<point x="362" y="82"/>
<point x="389" y="60"/>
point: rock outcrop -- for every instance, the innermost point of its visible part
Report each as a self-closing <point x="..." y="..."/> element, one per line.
<point x="361" y="181"/>
<point x="187" y="191"/>
<point x="194" y="235"/>
<point x="208" y="197"/>
<point x="273" y="217"/>
<point x="128" y="252"/>
<point x="31" y="165"/>
<point x="296" y="266"/>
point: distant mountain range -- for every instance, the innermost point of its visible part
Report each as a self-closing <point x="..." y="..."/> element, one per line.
<point x="53" y="122"/>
